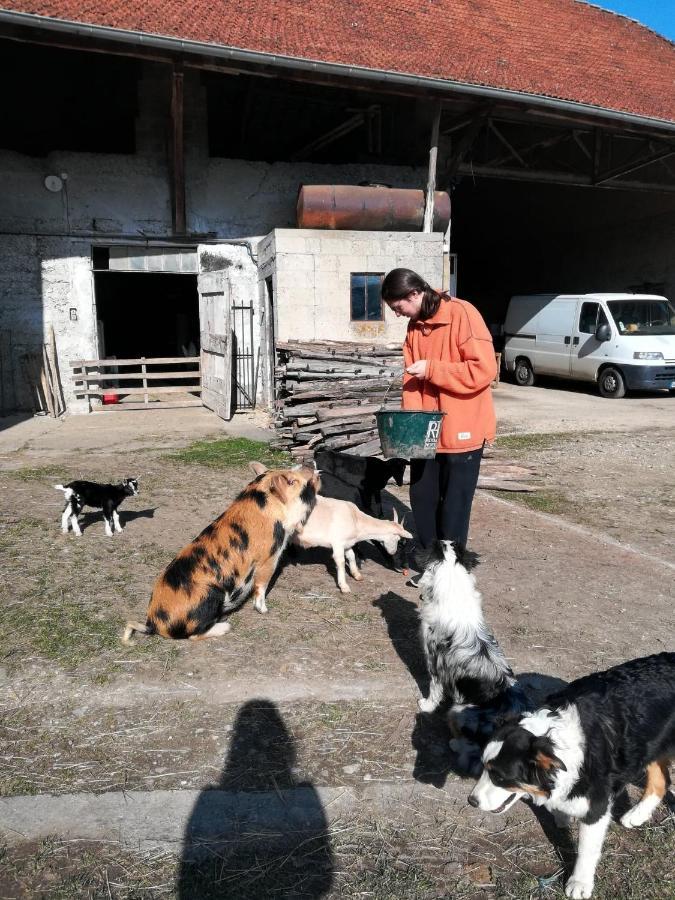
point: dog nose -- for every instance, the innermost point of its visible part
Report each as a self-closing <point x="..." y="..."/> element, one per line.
<point x="472" y="800"/>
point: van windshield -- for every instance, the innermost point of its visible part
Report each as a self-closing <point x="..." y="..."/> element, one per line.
<point x="643" y="316"/>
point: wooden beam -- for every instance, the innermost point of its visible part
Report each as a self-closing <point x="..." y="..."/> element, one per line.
<point x="177" y="151"/>
<point x="431" y="180"/>
<point x="627" y="168"/>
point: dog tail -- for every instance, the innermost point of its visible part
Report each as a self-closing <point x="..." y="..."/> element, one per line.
<point x="132" y="628"/>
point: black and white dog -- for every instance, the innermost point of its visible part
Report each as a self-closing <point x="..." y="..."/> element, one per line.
<point x="106" y="497"/>
<point x="575" y="755"/>
<point x="467" y="667"/>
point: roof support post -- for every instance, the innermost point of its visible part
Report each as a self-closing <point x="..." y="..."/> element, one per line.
<point x="177" y="151"/>
<point x="431" y="180"/>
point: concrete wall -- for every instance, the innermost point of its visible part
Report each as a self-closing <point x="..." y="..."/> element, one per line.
<point x="311" y="279"/>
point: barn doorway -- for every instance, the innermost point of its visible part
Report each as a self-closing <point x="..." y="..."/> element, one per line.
<point x="147" y="314"/>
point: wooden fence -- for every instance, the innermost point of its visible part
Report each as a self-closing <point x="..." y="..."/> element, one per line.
<point x="156" y="387"/>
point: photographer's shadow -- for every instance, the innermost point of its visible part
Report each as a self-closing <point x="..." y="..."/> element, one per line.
<point x="258" y="832"/>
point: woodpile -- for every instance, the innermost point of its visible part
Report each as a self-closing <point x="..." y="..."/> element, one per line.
<point x="328" y="393"/>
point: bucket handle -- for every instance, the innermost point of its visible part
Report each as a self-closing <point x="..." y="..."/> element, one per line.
<point x="398" y="373"/>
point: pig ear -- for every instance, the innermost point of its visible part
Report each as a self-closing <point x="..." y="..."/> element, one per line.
<point x="395" y="516"/>
<point x="279" y="486"/>
<point x="258" y="468"/>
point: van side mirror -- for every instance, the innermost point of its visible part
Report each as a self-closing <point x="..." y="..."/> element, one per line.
<point x="603" y="332"/>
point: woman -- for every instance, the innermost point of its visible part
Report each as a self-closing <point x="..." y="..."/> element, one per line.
<point x="449" y="366"/>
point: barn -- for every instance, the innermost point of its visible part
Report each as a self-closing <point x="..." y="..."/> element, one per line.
<point x="153" y="156"/>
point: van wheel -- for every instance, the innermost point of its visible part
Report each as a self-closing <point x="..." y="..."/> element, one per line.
<point x="523" y="373"/>
<point x="611" y="384"/>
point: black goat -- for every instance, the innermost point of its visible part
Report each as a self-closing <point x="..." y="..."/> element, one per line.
<point x="106" y="497"/>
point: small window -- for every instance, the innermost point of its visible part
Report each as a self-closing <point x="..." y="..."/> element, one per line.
<point x="588" y="318"/>
<point x="366" y="297"/>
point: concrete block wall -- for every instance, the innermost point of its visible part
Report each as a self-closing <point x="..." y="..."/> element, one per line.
<point x="43" y="278"/>
<point x="311" y="270"/>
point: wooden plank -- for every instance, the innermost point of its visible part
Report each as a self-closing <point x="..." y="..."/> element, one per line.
<point x="215" y="343"/>
<point x="372" y="448"/>
<point x="177" y="150"/>
<point x="172" y="389"/>
<point x="54" y="362"/>
<point x="131" y="376"/>
<point x="155" y="360"/>
<point x="431" y="180"/>
<point x="324" y="414"/>
<point x="160" y="404"/>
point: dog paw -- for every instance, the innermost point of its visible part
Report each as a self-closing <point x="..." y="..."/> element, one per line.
<point x="426" y="705"/>
<point x="634" y="817"/>
<point x="345" y="589"/>
<point x="579" y="888"/>
<point x="358" y="577"/>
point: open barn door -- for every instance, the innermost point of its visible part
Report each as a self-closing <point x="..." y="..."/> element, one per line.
<point x="215" y="330"/>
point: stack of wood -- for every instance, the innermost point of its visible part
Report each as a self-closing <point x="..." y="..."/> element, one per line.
<point x="328" y="393"/>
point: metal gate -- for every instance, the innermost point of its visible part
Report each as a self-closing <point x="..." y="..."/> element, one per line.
<point x="246" y="360"/>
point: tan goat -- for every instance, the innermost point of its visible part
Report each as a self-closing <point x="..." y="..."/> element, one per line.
<point x="338" y="525"/>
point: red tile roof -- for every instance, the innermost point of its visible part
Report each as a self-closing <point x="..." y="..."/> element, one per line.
<point x="565" y="49"/>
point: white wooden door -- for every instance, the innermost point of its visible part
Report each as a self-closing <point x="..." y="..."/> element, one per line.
<point x="216" y="342"/>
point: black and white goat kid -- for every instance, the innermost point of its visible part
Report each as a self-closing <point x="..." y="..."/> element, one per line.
<point x="467" y="668"/>
<point x="575" y="755"/>
<point x="106" y="497"/>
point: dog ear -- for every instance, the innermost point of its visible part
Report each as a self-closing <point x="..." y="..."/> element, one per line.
<point x="257" y="468"/>
<point x="466" y="558"/>
<point x="544" y="757"/>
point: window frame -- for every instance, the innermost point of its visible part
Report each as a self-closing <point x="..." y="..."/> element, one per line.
<point x="366" y="275"/>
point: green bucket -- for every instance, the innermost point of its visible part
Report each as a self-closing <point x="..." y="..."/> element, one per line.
<point x="410" y="433"/>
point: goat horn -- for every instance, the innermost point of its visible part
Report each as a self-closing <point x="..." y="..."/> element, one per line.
<point x="395" y="516"/>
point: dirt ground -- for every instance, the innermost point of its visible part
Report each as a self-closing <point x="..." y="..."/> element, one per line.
<point x="319" y="694"/>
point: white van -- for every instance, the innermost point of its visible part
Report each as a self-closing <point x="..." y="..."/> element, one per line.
<point x="620" y="341"/>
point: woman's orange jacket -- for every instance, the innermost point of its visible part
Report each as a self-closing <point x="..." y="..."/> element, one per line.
<point x="460" y="368"/>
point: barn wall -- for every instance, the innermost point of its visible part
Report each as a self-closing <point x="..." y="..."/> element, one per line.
<point x="46" y="238"/>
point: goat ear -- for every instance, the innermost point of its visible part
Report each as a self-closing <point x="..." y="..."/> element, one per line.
<point x="257" y="468"/>
<point x="279" y="486"/>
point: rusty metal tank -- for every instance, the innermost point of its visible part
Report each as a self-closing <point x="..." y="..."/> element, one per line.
<point x="368" y="208"/>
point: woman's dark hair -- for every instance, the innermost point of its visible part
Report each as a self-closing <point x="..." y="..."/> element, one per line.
<point x="400" y="282"/>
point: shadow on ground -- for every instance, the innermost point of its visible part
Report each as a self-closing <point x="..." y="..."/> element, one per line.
<point x="257" y="832"/>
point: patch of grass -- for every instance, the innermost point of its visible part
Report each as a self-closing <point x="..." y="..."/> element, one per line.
<point x="552" y="502"/>
<point x="330" y="713"/>
<point x="388" y="883"/>
<point x="230" y="452"/>
<point x="550" y="441"/>
<point x="17" y="786"/>
<point x="39" y="473"/>
<point x="67" y="632"/>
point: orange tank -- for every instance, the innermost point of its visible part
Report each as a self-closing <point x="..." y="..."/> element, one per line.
<point x="351" y="207"/>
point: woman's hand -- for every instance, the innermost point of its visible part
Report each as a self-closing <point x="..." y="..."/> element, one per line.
<point x="418" y="369"/>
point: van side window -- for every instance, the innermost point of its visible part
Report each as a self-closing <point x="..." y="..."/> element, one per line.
<point x="588" y="317"/>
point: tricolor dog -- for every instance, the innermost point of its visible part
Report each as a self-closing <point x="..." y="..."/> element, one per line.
<point x="574" y="756"/>
<point x="469" y="674"/>
<point x="106" y="497"/>
<point x="232" y="558"/>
